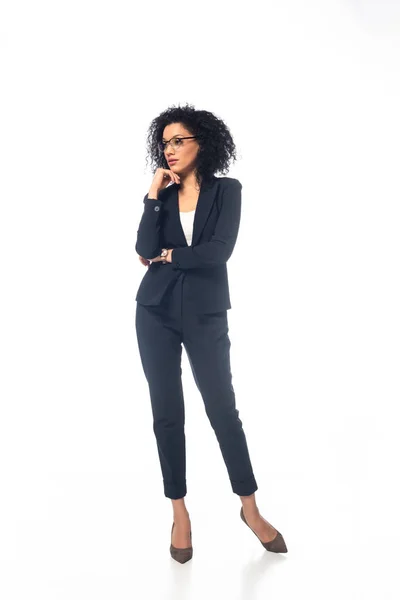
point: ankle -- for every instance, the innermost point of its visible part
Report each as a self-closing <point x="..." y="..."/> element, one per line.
<point x="250" y="507"/>
<point x="252" y="516"/>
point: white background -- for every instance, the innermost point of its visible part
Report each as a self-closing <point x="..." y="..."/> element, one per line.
<point x="311" y="93"/>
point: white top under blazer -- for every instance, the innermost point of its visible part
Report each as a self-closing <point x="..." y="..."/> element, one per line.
<point x="187" y="219"/>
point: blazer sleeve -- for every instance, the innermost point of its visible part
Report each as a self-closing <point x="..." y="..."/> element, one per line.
<point x="218" y="250"/>
<point x="148" y="234"/>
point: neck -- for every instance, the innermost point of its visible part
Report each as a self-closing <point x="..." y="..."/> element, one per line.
<point x="189" y="182"/>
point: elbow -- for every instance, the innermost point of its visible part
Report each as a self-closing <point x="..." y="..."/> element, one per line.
<point x="226" y="252"/>
<point x="146" y="251"/>
<point x="223" y="258"/>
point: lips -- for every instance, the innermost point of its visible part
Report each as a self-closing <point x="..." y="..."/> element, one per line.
<point x="171" y="162"/>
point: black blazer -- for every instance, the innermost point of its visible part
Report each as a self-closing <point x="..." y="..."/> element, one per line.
<point x="215" y="229"/>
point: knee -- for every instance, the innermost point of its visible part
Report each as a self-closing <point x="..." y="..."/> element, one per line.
<point x="168" y="425"/>
<point x="224" y="418"/>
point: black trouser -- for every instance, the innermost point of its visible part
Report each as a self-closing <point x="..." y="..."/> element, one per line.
<point x="161" y="330"/>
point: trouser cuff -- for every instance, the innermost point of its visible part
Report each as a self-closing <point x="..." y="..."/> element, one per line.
<point x="175" y="490"/>
<point x="246" y="487"/>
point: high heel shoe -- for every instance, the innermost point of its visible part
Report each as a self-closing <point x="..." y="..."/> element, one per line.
<point x="182" y="555"/>
<point x="275" y="545"/>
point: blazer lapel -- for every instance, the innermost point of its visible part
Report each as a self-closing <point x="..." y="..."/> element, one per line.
<point x="205" y="201"/>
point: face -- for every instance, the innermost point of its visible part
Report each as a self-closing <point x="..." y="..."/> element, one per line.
<point x="185" y="151"/>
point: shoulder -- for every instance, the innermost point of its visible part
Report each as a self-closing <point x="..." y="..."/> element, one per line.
<point x="230" y="194"/>
<point x="229" y="182"/>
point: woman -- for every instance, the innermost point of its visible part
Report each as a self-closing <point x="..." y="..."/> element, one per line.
<point x="186" y="235"/>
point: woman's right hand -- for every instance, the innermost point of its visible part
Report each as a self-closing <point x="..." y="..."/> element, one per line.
<point x="162" y="177"/>
<point x="144" y="261"/>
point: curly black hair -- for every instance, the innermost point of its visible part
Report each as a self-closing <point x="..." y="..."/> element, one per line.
<point x="217" y="148"/>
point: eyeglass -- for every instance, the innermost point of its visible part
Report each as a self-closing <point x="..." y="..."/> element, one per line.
<point x="175" y="142"/>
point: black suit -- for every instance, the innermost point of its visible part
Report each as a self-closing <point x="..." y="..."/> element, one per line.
<point x="215" y="229"/>
<point x="185" y="302"/>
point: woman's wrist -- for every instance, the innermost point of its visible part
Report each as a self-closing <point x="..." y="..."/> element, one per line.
<point x="153" y="194"/>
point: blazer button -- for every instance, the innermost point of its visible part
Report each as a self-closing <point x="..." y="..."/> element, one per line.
<point x="156" y="208"/>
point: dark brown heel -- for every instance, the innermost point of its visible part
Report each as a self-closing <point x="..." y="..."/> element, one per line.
<point x="182" y="555"/>
<point x="275" y="545"/>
